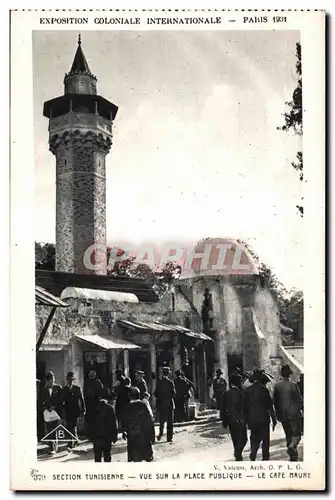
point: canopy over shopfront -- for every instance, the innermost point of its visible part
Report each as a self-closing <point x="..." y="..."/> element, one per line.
<point x="141" y="326"/>
<point x="101" y="295"/>
<point x="108" y="343"/>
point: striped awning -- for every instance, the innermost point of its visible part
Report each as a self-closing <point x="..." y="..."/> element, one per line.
<point x="44" y="298"/>
<point x="108" y="343"/>
<point x="141" y="326"/>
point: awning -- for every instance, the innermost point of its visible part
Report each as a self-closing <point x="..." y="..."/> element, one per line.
<point x="108" y="343"/>
<point x="44" y="298"/>
<point x="104" y="295"/>
<point x="141" y="326"/>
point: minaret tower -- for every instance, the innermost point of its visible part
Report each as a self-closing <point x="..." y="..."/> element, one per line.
<point x="80" y="137"/>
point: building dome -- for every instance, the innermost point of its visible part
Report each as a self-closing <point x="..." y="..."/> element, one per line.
<point x="218" y="257"/>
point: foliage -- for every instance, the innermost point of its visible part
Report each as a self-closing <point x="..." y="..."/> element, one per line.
<point x="45" y="256"/>
<point x="160" y="277"/>
<point x="293" y="118"/>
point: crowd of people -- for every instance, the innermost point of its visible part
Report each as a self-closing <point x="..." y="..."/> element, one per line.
<point x="130" y="412"/>
<point x="246" y="404"/>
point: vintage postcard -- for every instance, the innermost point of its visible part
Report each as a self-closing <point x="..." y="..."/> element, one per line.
<point x="167" y="247"/>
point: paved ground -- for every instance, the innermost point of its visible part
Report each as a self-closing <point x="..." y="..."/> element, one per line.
<point x="207" y="441"/>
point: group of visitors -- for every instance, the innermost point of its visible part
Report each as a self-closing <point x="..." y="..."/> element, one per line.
<point x="131" y="414"/>
<point x="56" y="404"/>
<point x="247" y="404"/>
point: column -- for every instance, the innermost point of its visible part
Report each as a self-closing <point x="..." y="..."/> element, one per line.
<point x="220" y="327"/>
<point x="205" y="375"/>
<point x="176" y="353"/>
<point x="153" y="368"/>
<point x="126" y="362"/>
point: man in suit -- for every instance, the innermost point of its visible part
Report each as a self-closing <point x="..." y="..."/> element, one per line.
<point x="92" y="391"/>
<point x="104" y="428"/>
<point x="122" y="396"/>
<point x="51" y="399"/>
<point x="183" y="387"/>
<point x="233" y="415"/>
<point x="165" y="394"/>
<point x="258" y="411"/>
<point x="219" y="388"/>
<point x="140" y="383"/>
<point x="74" y="405"/>
<point x="288" y="405"/>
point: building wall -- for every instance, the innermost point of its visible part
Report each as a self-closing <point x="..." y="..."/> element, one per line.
<point x="54" y="361"/>
<point x="245" y="319"/>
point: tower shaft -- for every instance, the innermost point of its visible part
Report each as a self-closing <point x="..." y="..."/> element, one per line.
<point x="80" y="137"/>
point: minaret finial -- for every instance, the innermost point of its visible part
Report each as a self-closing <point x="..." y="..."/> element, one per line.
<point x="79" y="39"/>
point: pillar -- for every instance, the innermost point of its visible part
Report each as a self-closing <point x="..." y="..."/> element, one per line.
<point x="176" y="353"/>
<point x="153" y="368"/>
<point x="220" y="328"/>
<point x="126" y="362"/>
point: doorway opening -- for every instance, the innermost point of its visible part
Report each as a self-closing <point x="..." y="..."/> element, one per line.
<point x="97" y="361"/>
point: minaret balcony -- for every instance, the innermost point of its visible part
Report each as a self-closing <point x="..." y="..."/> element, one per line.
<point x="83" y="122"/>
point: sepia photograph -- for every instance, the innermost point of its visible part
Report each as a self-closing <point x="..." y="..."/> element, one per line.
<point x="189" y="344"/>
<point x="170" y="208"/>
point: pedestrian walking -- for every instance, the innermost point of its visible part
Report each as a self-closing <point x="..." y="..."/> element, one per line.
<point x="139" y="429"/>
<point x="146" y="400"/>
<point x="288" y="406"/>
<point x="233" y="415"/>
<point x="165" y="394"/>
<point x="122" y="396"/>
<point x="183" y="387"/>
<point x="300" y="385"/>
<point x="140" y="383"/>
<point x="104" y="429"/>
<point x="92" y="392"/>
<point x="51" y="403"/>
<point x="74" y="405"/>
<point x="258" y="412"/>
<point x="247" y="380"/>
<point x="219" y="388"/>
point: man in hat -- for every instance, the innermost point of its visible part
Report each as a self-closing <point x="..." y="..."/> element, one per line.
<point x="122" y="396"/>
<point x="165" y="394"/>
<point x="183" y="387"/>
<point x="139" y="429"/>
<point x="300" y="385"/>
<point x="258" y="411"/>
<point x="140" y="383"/>
<point x="288" y="405"/>
<point x="104" y="428"/>
<point x="233" y="415"/>
<point x="51" y="400"/>
<point x="74" y="405"/>
<point x="219" y="388"/>
<point x="92" y="391"/>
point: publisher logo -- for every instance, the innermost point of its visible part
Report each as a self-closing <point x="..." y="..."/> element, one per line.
<point x="59" y="435"/>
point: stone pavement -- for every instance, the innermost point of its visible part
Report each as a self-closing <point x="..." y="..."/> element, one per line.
<point x="205" y="441"/>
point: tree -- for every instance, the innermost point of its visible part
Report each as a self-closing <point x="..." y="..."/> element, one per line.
<point x="293" y="119"/>
<point x="45" y="256"/>
<point x="160" y="277"/>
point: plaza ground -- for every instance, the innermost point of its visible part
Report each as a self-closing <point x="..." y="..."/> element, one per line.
<point x="204" y="441"/>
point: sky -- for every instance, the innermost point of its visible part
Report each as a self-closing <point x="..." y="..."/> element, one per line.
<point x="196" y="151"/>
